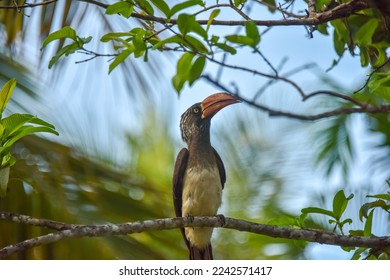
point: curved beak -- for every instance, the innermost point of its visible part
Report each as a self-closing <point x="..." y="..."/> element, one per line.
<point x="214" y="103"/>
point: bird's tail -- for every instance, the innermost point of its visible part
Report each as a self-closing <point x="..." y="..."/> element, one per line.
<point x="201" y="254"/>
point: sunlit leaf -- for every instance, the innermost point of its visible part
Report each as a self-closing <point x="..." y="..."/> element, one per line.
<point x="187" y="23"/>
<point x="368" y="224"/>
<point x="65" y="32"/>
<point x="145" y="6"/>
<point x="66" y="50"/>
<point x="196" y="69"/>
<point x="182" y="71"/>
<point x="162" y="6"/>
<point x="6" y="93"/>
<point x="212" y="16"/>
<point x="340" y="203"/>
<point x="183" y="5"/>
<point x="317" y="210"/>
<point x="194" y="43"/>
<point x="120" y="58"/>
<point x="124" y="8"/>
<point x="226" y="47"/>
<point x="252" y="32"/>
<point x="174" y="39"/>
<point x="240" y="39"/>
<point x="364" y="34"/>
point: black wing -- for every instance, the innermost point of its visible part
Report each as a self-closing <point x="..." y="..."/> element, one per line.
<point x="221" y="168"/>
<point x="178" y="177"/>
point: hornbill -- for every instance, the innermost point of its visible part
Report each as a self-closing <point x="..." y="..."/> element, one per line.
<point x="199" y="174"/>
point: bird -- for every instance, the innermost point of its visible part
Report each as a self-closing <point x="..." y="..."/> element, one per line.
<point x="199" y="174"/>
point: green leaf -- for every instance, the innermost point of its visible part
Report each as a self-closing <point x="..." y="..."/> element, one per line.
<point x="323" y="28"/>
<point x="379" y="85"/>
<point x="240" y="39"/>
<point x="194" y="43"/>
<point x="196" y="69"/>
<point x="226" y="48"/>
<point x="174" y="39"/>
<point x="184" y="5"/>
<point x="113" y="36"/>
<point x="182" y="71"/>
<point x="340" y="203"/>
<point x="368" y="225"/>
<point x="317" y="210"/>
<point x="24" y="131"/>
<point x="119" y="59"/>
<point x="212" y="16"/>
<point x="358" y="253"/>
<point x="239" y="2"/>
<point x="145" y="6"/>
<point x="138" y="39"/>
<point x="65" y="32"/>
<point x="358" y="232"/>
<point x="363" y="212"/>
<point x="364" y="34"/>
<point x="252" y="32"/>
<point x="124" y="8"/>
<point x="66" y="50"/>
<point x="340" y="36"/>
<point x="187" y="23"/>
<point x="162" y="6"/>
<point x="6" y="93"/>
<point x="364" y="57"/>
<point x="14" y="122"/>
<point x="385" y="196"/>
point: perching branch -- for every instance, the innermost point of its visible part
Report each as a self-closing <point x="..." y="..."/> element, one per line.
<point x="72" y="231"/>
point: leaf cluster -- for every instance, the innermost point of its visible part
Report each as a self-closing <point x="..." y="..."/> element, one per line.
<point x="12" y="129"/>
<point x="366" y="213"/>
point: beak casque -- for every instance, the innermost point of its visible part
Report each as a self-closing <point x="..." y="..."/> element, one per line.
<point x="214" y="103"/>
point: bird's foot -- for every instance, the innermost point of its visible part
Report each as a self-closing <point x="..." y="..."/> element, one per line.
<point x="221" y="219"/>
<point x="190" y="217"/>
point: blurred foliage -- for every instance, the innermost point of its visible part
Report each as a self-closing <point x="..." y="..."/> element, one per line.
<point x="74" y="185"/>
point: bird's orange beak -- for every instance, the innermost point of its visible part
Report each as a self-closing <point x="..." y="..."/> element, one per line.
<point x="214" y="103"/>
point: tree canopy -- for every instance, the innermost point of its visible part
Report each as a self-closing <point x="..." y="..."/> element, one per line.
<point x="222" y="44"/>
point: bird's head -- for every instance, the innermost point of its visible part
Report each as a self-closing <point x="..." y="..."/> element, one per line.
<point x="195" y="121"/>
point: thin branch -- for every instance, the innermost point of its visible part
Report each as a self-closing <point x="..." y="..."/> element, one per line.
<point x="370" y="109"/>
<point x="363" y="108"/>
<point x="40" y="222"/>
<point x="323" y="237"/>
<point x="342" y="10"/>
<point x="258" y="73"/>
<point x="371" y="74"/>
<point x="283" y="11"/>
<point x="27" y="5"/>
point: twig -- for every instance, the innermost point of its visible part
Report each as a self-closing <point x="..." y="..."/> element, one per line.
<point x="363" y="108"/>
<point x="323" y="237"/>
<point x="371" y="74"/>
<point x="28" y="5"/>
<point x="280" y="9"/>
<point x="28" y="220"/>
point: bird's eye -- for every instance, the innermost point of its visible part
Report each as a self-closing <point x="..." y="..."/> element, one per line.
<point x="195" y="110"/>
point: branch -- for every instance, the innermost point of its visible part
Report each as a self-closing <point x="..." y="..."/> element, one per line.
<point x="28" y="5"/>
<point x="340" y="11"/>
<point x="363" y="107"/>
<point x="310" y="235"/>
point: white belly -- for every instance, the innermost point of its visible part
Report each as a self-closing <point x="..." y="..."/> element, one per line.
<point x="202" y="196"/>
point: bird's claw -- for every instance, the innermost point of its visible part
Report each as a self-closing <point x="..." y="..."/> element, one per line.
<point x="190" y="218"/>
<point x="221" y="219"/>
